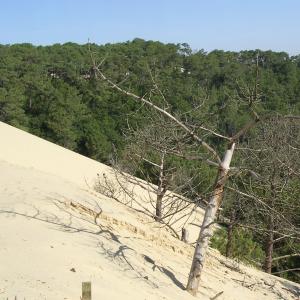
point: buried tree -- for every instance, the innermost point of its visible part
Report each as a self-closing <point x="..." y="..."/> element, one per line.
<point x="151" y="153"/>
<point x="206" y="227"/>
<point x="167" y="182"/>
<point x="223" y="165"/>
<point x="211" y="210"/>
<point x="148" y="154"/>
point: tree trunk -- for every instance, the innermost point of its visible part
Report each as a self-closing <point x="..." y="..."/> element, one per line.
<point x="206" y="228"/>
<point x="229" y="241"/>
<point x="161" y="190"/>
<point x="230" y="234"/>
<point x="270" y="237"/>
<point x="158" y="208"/>
<point x="269" y="247"/>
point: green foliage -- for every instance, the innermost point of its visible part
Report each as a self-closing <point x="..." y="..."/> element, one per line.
<point x="244" y="247"/>
<point x="12" y="102"/>
<point x="51" y="91"/>
<point x="288" y="263"/>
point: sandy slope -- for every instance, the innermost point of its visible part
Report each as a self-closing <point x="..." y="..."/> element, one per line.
<point x="56" y="233"/>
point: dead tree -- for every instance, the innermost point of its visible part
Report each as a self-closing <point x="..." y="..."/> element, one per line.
<point x="274" y="156"/>
<point x="176" y="209"/>
<point x="149" y="152"/>
<point x="149" y="155"/>
<point x="223" y="165"/>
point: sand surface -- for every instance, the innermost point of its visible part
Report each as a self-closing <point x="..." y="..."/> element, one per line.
<point x="56" y="232"/>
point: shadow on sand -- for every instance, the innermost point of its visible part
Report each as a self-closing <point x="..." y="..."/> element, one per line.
<point x="73" y="222"/>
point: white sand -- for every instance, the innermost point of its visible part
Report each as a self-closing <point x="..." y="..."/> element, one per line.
<point x="49" y="226"/>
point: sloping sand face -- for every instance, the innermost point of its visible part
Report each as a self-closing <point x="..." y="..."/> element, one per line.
<point x="29" y="151"/>
<point x="49" y="244"/>
<point x="56" y="233"/>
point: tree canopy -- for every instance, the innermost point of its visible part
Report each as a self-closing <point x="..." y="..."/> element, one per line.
<point x="51" y="90"/>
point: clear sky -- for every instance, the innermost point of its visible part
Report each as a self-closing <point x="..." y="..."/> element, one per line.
<point x="203" y="24"/>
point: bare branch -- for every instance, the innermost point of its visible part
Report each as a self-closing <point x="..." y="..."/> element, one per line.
<point x="163" y="111"/>
<point x="286" y="256"/>
<point x="288" y="270"/>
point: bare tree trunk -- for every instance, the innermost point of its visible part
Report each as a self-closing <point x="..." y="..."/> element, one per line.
<point x="230" y="234"/>
<point x="158" y="208"/>
<point x="269" y="247"/>
<point x="161" y="189"/>
<point x="208" y="220"/>
<point x="231" y="226"/>
<point x="270" y="237"/>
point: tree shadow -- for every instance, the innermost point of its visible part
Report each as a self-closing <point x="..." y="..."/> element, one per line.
<point x="67" y="223"/>
<point x="124" y="259"/>
<point x="292" y="288"/>
<point x="165" y="271"/>
<point x="120" y="253"/>
<point x="87" y="218"/>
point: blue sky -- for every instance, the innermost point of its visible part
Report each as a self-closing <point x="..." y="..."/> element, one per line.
<point x="203" y="24"/>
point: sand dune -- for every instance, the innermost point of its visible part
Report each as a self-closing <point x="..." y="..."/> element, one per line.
<point x="57" y="232"/>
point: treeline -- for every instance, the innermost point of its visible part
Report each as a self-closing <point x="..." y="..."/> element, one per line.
<point x="53" y="92"/>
